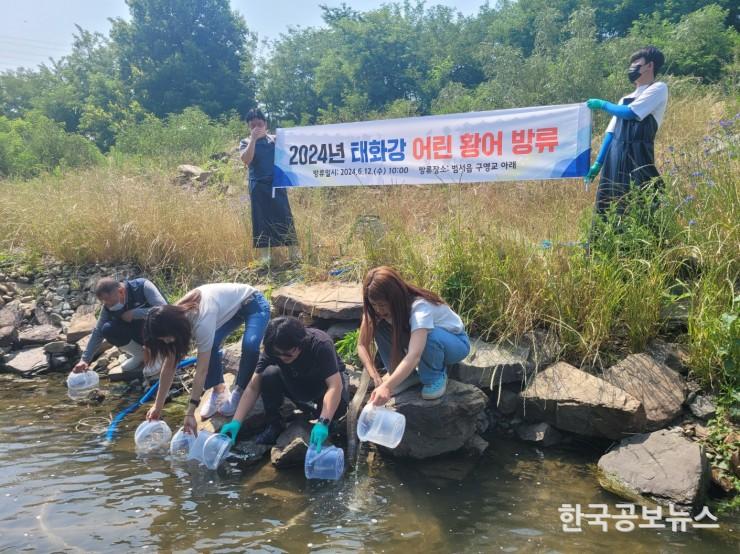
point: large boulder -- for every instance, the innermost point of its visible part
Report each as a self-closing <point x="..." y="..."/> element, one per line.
<point x="573" y="400"/>
<point x="321" y="300"/>
<point x="489" y="365"/>
<point x="27" y="362"/>
<point x="661" y="390"/>
<point x="661" y="467"/>
<point x="81" y="325"/>
<point x="434" y="427"/>
<point x="40" y="334"/>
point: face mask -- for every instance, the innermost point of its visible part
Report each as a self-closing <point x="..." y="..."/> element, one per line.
<point x="634" y="72"/>
<point x="116" y="307"/>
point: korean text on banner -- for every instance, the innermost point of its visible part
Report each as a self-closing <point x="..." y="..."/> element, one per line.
<point x="546" y="142"/>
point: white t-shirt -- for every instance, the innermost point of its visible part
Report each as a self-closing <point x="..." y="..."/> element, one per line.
<point x="218" y="304"/>
<point x="648" y="99"/>
<point x="428" y="315"/>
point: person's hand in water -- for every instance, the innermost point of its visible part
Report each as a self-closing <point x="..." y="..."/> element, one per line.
<point x="319" y="434"/>
<point x="190" y="425"/>
<point x="152" y="414"/>
<point x="231" y="430"/>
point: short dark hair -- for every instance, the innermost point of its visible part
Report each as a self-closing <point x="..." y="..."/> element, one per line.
<point x="650" y="54"/>
<point x="106" y="285"/>
<point x="255" y="113"/>
<point x="284" y="333"/>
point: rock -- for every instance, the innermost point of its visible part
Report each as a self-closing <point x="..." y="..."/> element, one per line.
<point x="476" y="445"/>
<point x="541" y="433"/>
<point x="42" y="318"/>
<point x="506" y="400"/>
<point x="60" y="347"/>
<point x="672" y="354"/>
<point x="661" y="390"/>
<point x="248" y="452"/>
<point x="573" y="400"/>
<point x="721" y="480"/>
<point x="337" y="331"/>
<point x="82" y="324"/>
<point x="10" y="314"/>
<point x="661" y="467"/>
<point x="434" y="427"/>
<point x="292" y="444"/>
<point x="41" y="334"/>
<point x="117" y="374"/>
<point x="702" y="407"/>
<point x="56" y="319"/>
<point x="232" y="356"/>
<point x="490" y="365"/>
<point x="8" y="335"/>
<point x="27" y="362"/>
<point x="327" y="300"/>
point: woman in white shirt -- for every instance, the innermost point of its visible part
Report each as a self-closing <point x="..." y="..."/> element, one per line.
<point x="207" y="315"/>
<point x="414" y="330"/>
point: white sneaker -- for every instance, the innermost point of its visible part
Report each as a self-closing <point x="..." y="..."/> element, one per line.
<point x="229" y="407"/>
<point x="214" y="402"/>
<point x="136" y="351"/>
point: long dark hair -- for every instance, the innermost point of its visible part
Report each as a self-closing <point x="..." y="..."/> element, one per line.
<point x="170" y="321"/>
<point x="385" y="284"/>
<point x="284" y="333"/>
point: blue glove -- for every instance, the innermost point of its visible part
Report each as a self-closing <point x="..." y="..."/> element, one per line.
<point x="595" y="104"/>
<point x="319" y="434"/>
<point x="231" y="430"/>
<point x="593" y="172"/>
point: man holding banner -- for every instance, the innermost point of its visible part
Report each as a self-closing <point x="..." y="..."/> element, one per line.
<point x="628" y="148"/>
<point x="272" y="220"/>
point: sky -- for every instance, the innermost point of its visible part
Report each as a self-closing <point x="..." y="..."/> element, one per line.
<point x="32" y="31"/>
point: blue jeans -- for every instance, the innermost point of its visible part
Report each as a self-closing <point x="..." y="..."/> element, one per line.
<point x="441" y="350"/>
<point x="255" y="315"/>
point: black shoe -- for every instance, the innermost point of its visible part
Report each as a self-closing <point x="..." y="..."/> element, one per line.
<point x="270" y="434"/>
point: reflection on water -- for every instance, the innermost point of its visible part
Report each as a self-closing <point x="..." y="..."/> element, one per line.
<point x="62" y="489"/>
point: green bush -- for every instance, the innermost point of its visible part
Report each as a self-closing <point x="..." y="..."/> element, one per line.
<point x="35" y="144"/>
<point x="190" y="136"/>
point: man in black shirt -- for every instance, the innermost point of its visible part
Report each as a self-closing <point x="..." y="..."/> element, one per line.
<point x="302" y="364"/>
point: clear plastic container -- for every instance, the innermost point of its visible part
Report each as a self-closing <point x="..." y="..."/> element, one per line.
<point x="181" y="444"/>
<point x="327" y="464"/>
<point x="196" y="449"/>
<point x="215" y="450"/>
<point x="381" y="426"/>
<point x="152" y="437"/>
<point x="79" y="385"/>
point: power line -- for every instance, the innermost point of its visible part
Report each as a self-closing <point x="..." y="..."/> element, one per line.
<point x="32" y="40"/>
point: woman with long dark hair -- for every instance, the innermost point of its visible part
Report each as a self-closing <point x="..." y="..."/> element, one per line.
<point x="207" y="314"/>
<point x="414" y="330"/>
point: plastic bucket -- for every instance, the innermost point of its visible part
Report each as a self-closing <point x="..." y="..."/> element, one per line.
<point x="181" y="443"/>
<point x="152" y="436"/>
<point x="327" y="464"/>
<point x="381" y="426"/>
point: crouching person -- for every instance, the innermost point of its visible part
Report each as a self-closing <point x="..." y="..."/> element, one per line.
<point x="121" y="321"/>
<point x="417" y="334"/>
<point x="301" y="364"/>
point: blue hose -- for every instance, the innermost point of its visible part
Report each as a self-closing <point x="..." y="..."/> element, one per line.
<point x="145" y="398"/>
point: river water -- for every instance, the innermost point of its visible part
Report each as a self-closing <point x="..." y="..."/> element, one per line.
<point x="63" y="490"/>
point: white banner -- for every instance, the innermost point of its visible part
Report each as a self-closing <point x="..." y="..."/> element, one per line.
<point x="547" y="142"/>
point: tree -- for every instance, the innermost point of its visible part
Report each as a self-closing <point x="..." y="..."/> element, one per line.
<point x="181" y="53"/>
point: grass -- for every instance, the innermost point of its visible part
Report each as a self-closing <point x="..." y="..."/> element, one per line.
<point x="479" y="245"/>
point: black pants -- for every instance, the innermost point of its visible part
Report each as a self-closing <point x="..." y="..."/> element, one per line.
<point x="275" y="389"/>
<point x="120" y="333"/>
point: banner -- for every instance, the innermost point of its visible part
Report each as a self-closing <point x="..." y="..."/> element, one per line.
<point x="546" y="142"/>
